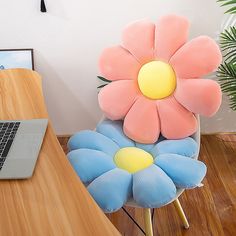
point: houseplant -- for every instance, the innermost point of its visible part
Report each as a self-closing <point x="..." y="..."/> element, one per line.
<point x="227" y="70"/>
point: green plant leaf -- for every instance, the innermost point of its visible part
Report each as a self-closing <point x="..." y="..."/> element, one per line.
<point x="233" y="60"/>
<point x="227" y="78"/>
<point x="230" y="54"/>
<point x="232" y="3"/>
<point x="228" y="44"/>
<point x="228" y="2"/>
<point x="101" y="86"/>
<point x="104" y="79"/>
<point x="232" y="10"/>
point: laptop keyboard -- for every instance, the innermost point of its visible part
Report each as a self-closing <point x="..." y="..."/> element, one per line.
<point x="7" y="134"/>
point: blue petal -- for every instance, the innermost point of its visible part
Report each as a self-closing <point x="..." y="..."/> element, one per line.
<point x="184" y="172"/>
<point x="185" y="147"/>
<point x="114" y="131"/>
<point x="149" y="147"/>
<point x="89" y="164"/>
<point x="93" y="140"/>
<point x="152" y="188"/>
<point x="112" y="189"/>
<point x="145" y="147"/>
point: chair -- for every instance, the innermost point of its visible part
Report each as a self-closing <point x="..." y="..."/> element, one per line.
<point x="90" y="153"/>
<point x="144" y="154"/>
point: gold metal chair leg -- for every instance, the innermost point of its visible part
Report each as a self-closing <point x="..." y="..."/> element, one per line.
<point x="181" y="213"/>
<point x="148" y="222"/>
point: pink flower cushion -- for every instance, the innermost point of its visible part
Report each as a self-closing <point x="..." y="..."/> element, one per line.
<point x="156" y="80"/>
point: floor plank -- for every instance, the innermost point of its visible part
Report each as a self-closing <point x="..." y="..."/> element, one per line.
<point x="211" y="210"/>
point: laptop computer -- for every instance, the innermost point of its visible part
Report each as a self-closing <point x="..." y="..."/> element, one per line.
<point x="20" y="143"/>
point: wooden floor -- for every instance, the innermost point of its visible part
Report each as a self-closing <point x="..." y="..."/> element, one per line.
<point x="211" y="210"/>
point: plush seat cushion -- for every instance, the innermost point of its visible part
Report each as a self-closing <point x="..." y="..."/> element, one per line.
<point x="161" y="167"/>
<point x="157" y="80"/>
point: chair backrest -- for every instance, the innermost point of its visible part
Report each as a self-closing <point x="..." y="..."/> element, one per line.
<point x="197" y="137"/>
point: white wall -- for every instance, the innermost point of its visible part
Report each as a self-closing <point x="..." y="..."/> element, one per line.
<point x="69" y="38"/>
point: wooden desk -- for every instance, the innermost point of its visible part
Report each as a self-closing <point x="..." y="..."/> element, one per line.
<point x="53" y="201"/>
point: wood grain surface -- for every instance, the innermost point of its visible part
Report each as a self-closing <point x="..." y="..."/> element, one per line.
<point x="53" y="201"/>
<point x="211" y="210"/>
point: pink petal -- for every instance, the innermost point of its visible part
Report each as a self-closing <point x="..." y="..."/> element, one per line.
<point x="116" y="63"/>
<point x="171" y="34"/>
<point x="138" y="38"/>
<point x="176" y="121"/>
<point x="116" y="98"/>
<point x="200" y="96"/>
<point x="142" y="123"/>
<point x="196" y="58"/>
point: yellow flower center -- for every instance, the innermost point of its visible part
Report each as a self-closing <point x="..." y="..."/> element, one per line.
<point x="156" y="80"/>
<point x="133" y="159"/>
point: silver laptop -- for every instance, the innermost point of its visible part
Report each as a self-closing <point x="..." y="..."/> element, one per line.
<point x="20" y="143"/>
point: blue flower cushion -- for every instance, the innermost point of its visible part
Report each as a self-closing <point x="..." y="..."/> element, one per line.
<point x="115" y="168"/>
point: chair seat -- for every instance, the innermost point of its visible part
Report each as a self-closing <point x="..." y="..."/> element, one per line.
<point x="131" y="202"/>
